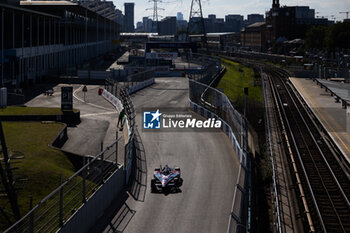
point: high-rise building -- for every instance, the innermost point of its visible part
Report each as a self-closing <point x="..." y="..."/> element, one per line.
<point x="233" y="23"/>
<point x="147" y="24"/>
<point x="119" y="18"/>
<point x="139" y="27"/>
<point x="180" y="16"/>
<point x="167" y="26"/>
<point x="129" y="17"/>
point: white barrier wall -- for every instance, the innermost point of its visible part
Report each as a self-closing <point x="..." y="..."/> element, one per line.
<point x="113" y="100"/>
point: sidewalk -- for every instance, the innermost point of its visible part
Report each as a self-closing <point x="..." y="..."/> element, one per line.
<point x="98" y="120"/>
<point x="334" y="118"/>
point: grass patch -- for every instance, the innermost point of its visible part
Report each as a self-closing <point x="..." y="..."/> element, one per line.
<point x="236" y="78"/>
<point x="11" y="110"/>
<point x="42" y="164"/>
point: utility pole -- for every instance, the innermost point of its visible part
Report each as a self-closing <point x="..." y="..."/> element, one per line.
<point x="195" y="13"/>
<point x="155" y="15"/>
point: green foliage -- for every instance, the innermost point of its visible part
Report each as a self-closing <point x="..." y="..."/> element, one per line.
<point x="236" y="78"/>
<point x="329" y="38"/>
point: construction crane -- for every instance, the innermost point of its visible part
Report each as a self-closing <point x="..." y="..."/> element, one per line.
<point x="345" y="12"/>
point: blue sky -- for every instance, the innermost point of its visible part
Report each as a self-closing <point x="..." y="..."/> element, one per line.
<point x="243" y="7"/>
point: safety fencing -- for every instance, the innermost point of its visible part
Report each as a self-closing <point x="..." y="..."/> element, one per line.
<point x="211" y="103"/>
<point x="119" y="92"/>
<point x="55" y="210"/>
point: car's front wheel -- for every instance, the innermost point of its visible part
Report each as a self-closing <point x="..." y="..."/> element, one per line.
<point x="153" y="186"/>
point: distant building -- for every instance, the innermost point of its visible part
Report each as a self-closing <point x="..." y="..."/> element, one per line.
<point x="147" y="24"/>
<point x="219" y="25"/>
<point x="119" y="18"/>
<point x="179" y="16"/>
<point x="290" y="22"/>
<point x="212" y="16"/>
<point x="254" y="36"/>
<point x="209" y="25"/>
<point x="233" y="23"/>
<point x="181" y="25"/>
<point x="221" y="41"/>
<point x="167" y="26"/>
<point x="139" y="27"/>
<point x="255" y="18"/>
<point x="129" y="17"/>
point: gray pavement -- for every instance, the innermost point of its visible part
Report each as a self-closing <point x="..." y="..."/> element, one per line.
<point x="340" y="89"/>
<point x="335" y="119"/>
<point x="209" y="169"/>
<point x="98" y="119"/>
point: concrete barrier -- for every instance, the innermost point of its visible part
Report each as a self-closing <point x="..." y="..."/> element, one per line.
<point x="85" y="217"/>
<point x="113" y="100"/>
<point x="61" y="138"/>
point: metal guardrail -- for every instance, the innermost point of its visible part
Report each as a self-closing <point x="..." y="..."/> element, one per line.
<point x="54" y="210"/>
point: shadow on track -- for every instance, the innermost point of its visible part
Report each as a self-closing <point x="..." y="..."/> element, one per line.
<point x="116" y="218"/>
<point x="138" y="186"/>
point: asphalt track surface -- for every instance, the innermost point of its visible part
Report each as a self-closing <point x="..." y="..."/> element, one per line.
<point x="208" y="165"/>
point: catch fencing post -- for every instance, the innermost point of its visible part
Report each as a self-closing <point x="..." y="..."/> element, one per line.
<point x="84" y="182"/>
<point x="101" y="150"/>
<point x="116" y="147"/>
<point x="31" y="223"/>
<point x="61" y="204"/>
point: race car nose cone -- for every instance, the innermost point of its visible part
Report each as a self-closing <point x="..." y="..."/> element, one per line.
<point x="163" y="183"/>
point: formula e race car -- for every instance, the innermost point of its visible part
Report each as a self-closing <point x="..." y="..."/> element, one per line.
<point x="166" y="178"/>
